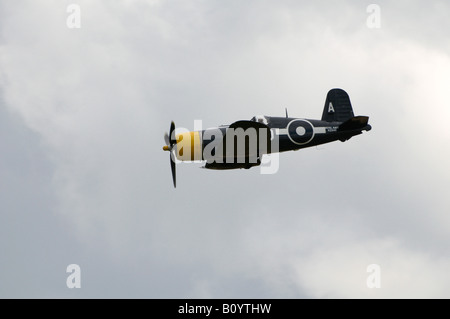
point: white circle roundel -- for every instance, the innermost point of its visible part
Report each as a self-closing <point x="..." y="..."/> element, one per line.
<point x="300" y="132"/>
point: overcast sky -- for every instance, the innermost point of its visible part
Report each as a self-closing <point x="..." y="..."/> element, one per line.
<point x="83" y="178"/>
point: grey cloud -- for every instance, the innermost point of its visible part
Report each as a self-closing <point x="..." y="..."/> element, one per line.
<point x="97" y="101"/>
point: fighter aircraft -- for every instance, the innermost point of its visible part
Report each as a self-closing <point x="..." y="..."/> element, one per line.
<point x="243" y="143"/>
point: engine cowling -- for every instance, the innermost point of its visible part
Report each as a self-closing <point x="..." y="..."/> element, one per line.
<point x="189" y="146"/>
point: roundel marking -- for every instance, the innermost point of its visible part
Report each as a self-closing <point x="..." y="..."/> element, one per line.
<point x="300" y="132"/>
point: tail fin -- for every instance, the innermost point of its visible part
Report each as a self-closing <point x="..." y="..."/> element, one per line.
<point x="337" y="107"/>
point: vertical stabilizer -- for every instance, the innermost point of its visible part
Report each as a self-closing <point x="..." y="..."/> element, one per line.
<point x="337" y="106"/>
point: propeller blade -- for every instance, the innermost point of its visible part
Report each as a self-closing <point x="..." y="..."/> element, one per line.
<point x="171" y="134"/>
<point x="172" y="167"/>
<point x="166" y="139"/>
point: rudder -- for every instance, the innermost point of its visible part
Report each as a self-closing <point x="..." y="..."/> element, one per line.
<point x="337" y="106"/>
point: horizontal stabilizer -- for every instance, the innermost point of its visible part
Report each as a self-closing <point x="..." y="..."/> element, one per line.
<point x="355" y="123"/>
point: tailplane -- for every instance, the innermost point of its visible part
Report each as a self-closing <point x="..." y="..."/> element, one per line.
<point x="355" y="123"/>
<point x="337" y="107"/>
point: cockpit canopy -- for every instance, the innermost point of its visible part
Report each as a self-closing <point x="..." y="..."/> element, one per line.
<point x="259" y="119"/>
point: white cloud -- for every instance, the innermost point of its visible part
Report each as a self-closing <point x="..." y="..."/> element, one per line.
<point x="341" y="272"/>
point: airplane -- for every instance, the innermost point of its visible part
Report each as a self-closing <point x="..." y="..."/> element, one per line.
<point x="243" y="143"/>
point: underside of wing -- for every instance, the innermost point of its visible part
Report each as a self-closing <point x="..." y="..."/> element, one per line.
<point x="242" y="146"/>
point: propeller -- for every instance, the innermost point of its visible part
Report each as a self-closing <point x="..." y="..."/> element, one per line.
<point x="171" y="144"/>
